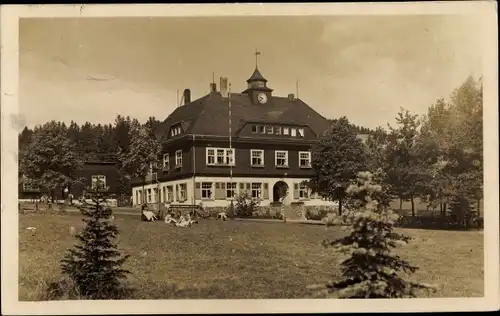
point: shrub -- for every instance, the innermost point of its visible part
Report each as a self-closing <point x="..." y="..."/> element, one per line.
<point x="371" y="267"/>
<point x="316" y="215"/>
<point x="94" y="266"/>
<point x="245" y="205"/>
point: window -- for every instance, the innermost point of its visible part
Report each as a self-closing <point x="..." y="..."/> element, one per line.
<point x="256" y="190"/>
<point x="257" y="157"/>
<point x="148" y="193"/>
<point x="281" y="159"/>
<point x="30" y="187"/>
<point x="231" y="190"/>
<point x="155" y="195"/>
<point x="178" y="158"/>
<point x="303" y="191"/>
<point x="220" y="156"/>
<point x="270" y="130"/>
<point x="166" y="161"/>
<point x="181" y="190"/>
<point x="176" y="130"/>
<point x="262" y="129"/>
<point x="277" y="129"/>
<point x="293" y="132"/>
<point x="255" y="128"/>
<point x="230" y="157"/>
<point x="286" y="131"/>
<point x="300" y="132"/>
<point x="170" y="194"/>
<point x="152" y="168"/>
<point x="163" y="195"/>
<point x="206" y="190"/>
<point x="305" y="159"/>
<point x="210" y="156"/>
<point x="98" y="182"/>
<point x="137" y="197"/>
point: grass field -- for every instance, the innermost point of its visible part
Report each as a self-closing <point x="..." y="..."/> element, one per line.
<point x="238" y="259"/>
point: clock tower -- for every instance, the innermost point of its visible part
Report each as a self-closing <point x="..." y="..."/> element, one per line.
<point x="257" y="89"/>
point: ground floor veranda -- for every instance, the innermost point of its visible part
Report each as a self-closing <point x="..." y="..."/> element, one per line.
<point x="219" y="191"/>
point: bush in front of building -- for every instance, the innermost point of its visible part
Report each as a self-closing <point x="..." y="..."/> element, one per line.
<point x="245" y="206"/>
<point x="316" y="214"/>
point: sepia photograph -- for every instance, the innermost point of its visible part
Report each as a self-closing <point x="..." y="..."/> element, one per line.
<point x="188" y="154"/>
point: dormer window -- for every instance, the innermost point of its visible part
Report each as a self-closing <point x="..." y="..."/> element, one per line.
<point x="176" y="130"/>
<point x="270" y="130"/>
<point x="300" y="132"/>
<point x="286" y="131"/>
<point x="262" y="129"/>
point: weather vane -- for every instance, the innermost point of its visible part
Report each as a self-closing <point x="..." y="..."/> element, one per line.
<point x="257" y="53"/>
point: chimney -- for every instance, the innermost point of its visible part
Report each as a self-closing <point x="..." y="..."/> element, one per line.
<point x="223" y="87"/>
<point x="187" y="96"/>
<point x="291" y="96"/>
<point x="213" y="87"/>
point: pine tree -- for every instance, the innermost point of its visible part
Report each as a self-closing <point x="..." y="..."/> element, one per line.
<point x="371" y="267"/>
<point x="94" y="265"/>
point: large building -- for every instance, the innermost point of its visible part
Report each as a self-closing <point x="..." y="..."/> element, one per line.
<point x="225" y="143"/>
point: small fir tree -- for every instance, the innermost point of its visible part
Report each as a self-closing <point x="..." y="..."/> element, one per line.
<point x="94" y="265"/>
<point x="371" y="269"/>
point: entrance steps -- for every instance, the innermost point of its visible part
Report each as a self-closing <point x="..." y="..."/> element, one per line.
<point x="294" y="213"/>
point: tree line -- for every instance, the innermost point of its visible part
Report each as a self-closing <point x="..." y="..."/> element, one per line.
<point x="437" y="157"/>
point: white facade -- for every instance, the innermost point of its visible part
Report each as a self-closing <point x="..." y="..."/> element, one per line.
<point x="216" y="192"/>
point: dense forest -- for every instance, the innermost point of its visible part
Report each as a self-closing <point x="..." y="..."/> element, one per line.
<point x="93" y="142"/>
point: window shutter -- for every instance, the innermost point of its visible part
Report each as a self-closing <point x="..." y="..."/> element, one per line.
<point x="219" y="191"/>
<point x="197" y="191"/>
<point x="265" y="191"/>
<point x="295" y="191"/>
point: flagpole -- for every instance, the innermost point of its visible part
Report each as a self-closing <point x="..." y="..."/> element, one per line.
<point x="231" y="149"/>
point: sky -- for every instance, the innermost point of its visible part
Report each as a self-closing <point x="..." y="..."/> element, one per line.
<point x="362" y="67"/>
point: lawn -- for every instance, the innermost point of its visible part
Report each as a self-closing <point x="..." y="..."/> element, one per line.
<point x="238" y="259"/>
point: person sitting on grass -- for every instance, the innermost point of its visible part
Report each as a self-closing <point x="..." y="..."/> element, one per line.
<point x="150" y="216"/>
<point x="183" y="222"/>
<point x="170" y="219"/>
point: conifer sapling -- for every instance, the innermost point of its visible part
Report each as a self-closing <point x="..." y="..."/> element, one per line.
<point x="94" y="265"/>
<point x="371" y="269"/>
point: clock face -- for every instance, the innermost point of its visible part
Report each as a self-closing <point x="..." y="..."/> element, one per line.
<point x="262" y="98"/>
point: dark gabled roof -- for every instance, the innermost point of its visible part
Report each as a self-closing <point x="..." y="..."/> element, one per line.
<point x="185" y="115"/>
<point x="256" y="76"/>
<point x="209" y="115"/>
